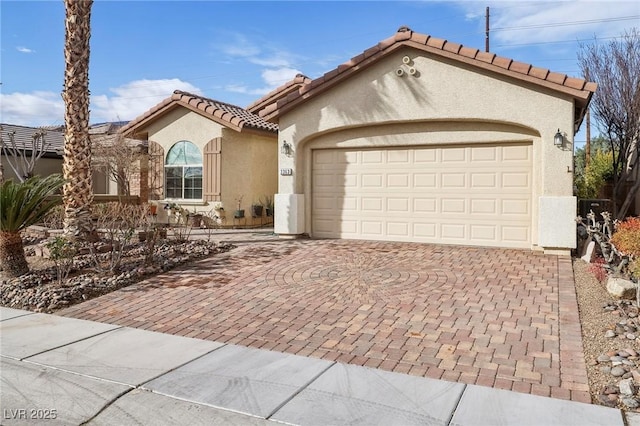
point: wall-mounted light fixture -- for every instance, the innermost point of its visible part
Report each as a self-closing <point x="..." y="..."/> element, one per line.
<point x="558" y="139"/>
<point x="286" y="148"/>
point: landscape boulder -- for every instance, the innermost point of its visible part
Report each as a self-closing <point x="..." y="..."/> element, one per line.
<point x="621" y="288"/>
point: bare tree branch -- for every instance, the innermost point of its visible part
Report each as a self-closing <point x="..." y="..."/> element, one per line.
<point x="23" y="159"/>
<point x="116" y="157"/>
<point x="615" y="66"/>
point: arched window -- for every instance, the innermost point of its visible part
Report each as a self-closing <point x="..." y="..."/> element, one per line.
<point x="183" y="172"/>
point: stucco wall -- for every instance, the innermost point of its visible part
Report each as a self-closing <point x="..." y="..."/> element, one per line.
<point x="249" y="170"/>
<point x="182" y="124"/>
<point x="44" y="167"/>
<point x="248" y="160"/>
<point x="446" y="103"/>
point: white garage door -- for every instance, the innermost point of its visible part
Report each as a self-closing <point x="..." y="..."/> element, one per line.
<point x="473" y="195"/>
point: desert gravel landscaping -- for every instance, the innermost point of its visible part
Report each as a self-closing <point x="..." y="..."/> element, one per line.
<point x="600" y="315"/>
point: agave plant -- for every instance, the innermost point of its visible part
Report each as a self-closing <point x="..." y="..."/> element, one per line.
<point x="22" y="205"/>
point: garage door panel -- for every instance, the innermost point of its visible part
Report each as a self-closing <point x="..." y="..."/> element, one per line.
<point x="515" y="207"/>
<point x="454" y="155"/>
<point x="425" y="180"/>
<point x="516" y="153"/>
<point x="482" y="154"/>
<point x="347" y="180"/>
<point x="398" y="229"/>
<point x="347" y="204"/>
<point x="372" y="180"/>
<point x="399" y="156"/>
<point x="453" y="205"/>
<point x="517" y="234"/>
<point x="478" y="195"/>
<point x="425" y="230"/>
<point x="372" y="204"/>
<point x="425" y="156"/>
<point x="483" y="206"/>
<point x="516" y="180"/>
<point x="425" y="205"/>
<point x="487" y="233"/>
<point x="453" y="231"/>
<point x="372" y="227"/>
<point x="398" y="180"/>
<point x="372" y="157"/>
<point x="324" y="180"/>
<point x="327" y="204"/>
<point x="484" y="180"/>
<point x="453" y="180"/>
<point x="348" y="227"/>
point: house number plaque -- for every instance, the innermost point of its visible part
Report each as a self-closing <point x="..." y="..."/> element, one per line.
<point x="286" y="172"/>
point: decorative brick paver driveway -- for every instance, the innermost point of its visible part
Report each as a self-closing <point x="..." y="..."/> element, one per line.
<point x="491" y="317"/>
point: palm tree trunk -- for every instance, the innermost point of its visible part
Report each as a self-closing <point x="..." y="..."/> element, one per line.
<point x="12" y="257"/>
<point x="78" y="187"/>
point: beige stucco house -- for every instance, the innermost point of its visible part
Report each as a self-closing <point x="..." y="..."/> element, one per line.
<point x="421" y="139"/>
<point x="205" y="153"/>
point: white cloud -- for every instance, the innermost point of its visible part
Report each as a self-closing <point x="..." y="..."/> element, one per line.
<point x="134" y="98"/>
<point x="276" y="59"/>
<point x="272" y="77"/>
<point x="125" y="102"/>
<point x="278" y="77"/>
<point x="24" y="49"/>
<point x="278" y="65"/>
<point x="239" y="88"/>
<point x="538" y="22"/>
<point x="32" y="109"/>
<point x="240" y="46"/>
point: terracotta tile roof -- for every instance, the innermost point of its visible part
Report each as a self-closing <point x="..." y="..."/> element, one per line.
<point x="581" y="90"/>
<point x="23" y="136"/>
<point x="282" y="91"/>
<point x="228" y="115"/>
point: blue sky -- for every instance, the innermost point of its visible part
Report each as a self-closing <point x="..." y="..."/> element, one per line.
<point x="237" y="51"/>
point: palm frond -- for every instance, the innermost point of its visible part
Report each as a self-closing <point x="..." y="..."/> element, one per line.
<point x="25" y="204"/>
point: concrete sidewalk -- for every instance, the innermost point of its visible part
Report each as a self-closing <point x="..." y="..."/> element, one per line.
<point x="58" y="370"/>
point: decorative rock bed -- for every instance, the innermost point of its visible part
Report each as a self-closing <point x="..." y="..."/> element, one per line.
<point x="623" y="365"/>
<point x="40" y="291"/>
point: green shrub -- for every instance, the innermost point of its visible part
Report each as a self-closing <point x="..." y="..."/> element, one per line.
<point x="599" y="170"/>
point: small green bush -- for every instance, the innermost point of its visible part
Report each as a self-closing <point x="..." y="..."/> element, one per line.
<point x="595" y="175"/>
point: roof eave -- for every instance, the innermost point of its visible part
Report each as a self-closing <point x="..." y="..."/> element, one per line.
<point x="240" y="126"/>
<point x="384" y="48"/>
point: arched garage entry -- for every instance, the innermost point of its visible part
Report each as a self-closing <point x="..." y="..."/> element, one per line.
<point x="451" y="183"/>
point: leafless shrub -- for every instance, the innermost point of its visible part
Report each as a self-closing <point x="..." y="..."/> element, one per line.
<point x="116" y="225"/>
<point x="55" y="218"/>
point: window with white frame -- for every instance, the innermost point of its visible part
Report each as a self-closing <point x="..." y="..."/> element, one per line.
<point x="183" y="172"/>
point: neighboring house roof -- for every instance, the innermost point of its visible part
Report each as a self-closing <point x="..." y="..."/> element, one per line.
<point x="291" y="86"/>
<point x="23" y="136"/>
<point x="104" y="135"/>
<point x="581" y="90"/>
<point x="228" y="115"/>
<point x="106" y="128"/>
